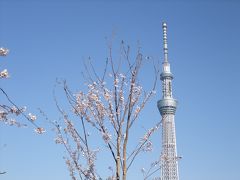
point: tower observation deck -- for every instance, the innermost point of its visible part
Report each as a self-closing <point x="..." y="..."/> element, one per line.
<point x="167" y="107"/>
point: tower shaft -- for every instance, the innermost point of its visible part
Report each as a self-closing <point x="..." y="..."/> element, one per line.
<point x="169" y="164"/>
<point x="167" y="107"/>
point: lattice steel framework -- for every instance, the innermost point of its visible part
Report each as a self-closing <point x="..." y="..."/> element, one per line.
<point x="167" y="107"/>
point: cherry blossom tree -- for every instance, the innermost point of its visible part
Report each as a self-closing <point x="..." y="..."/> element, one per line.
<point x="110" y="104"/>
<point x="9" y="110"/>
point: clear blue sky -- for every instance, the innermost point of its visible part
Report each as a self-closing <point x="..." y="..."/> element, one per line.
<point x="50" y="39"/>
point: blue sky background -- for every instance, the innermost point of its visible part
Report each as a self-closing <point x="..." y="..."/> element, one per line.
<point x="50" y="39"/>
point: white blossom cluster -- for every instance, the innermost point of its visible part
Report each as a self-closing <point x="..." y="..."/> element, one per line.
<point x="32" y="117"/>
<point x="4" y="74"/>
<point x="77" y="153"/>
<point x="75" y="167"/>
<point x="40" y="130"/>
<point x="7" y="115"/>
<point x="145" y="141"/>
<point x="3" y="51"/>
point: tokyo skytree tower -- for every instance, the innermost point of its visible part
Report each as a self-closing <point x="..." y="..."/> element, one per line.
<point x="167" y="107"/>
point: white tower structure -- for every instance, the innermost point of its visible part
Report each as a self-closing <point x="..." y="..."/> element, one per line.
<point x="167" y="107"/>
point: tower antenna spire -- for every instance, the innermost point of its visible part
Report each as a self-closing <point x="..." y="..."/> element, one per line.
<point x="165" y="44"/>
<point x="167" y="107"/>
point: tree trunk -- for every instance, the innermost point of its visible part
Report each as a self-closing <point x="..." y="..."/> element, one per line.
<point x="125" y="153"/>
<point x="118" y="164"/>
